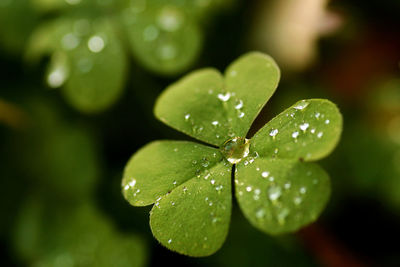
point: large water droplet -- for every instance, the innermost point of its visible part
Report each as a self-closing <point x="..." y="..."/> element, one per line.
<point x="236" y="149"/>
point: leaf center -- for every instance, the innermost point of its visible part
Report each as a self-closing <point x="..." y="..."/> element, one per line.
<point x="235" y="149"/>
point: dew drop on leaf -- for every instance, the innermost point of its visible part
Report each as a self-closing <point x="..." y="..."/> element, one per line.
<point x="273" y="132"/>
<point x="96" y="44"/>
<point x="274" y="193"/>
<point x="302" y="105"/>
<point x="235" y="149"/>
<point x="224" y="97"/>
<point x="304" y="126"/>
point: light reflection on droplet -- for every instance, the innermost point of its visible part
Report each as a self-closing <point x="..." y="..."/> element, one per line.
<point x="96" y="44"/>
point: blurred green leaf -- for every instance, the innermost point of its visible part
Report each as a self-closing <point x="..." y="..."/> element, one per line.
<point x="83" y="52"/>
<point x="163" y="37"/>
<point x="50" y="234"/>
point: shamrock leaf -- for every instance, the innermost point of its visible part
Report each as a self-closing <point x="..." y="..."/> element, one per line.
<point x="82" y="51"/>
<point x="278" y="189"/>
<point x="163" y="37"/>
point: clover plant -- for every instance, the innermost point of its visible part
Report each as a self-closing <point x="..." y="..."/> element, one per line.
<point x="90" y="42"/>
<point x="278" y="187"/>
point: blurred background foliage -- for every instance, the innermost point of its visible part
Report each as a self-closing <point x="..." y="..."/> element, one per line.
<point x="78" y="82"/>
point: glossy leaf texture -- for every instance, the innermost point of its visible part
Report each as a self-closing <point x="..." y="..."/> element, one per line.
<point x="194" y="218"/>
<point x="190" y="185"/>
<point x="162" y="166"/>
<point x="281" y="195"/>
<point x="309" y="130"/>
<point x="82" y="52"/>
<point x="163" y="36"/>
<point x="217" y="108"/>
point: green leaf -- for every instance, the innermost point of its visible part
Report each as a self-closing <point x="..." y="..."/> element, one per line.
<point x="214" y="111"/>
<point x="251" y="80"/>
<point x="194" y="218"/>
<point x="98" y="70"/>
<point x="163" y="37"/>
<point x="161" y="166"/>
<point x="48" y="232"/>
<point x="281" y="195"/>
<point x="201" y="114"/>
<point x="82" y="52"/>
<point x="309" y="130"/>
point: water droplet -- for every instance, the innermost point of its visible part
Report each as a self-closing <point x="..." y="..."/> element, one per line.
<point x="273" y="132"/>
<point x="175" y="149"/>
<point x="241" y="114"/>
<point x="317" y="115"/>
<point x="257" y="191"/>
<point x="312" y="130"/>
<point x="174" y="182"/>
<point x="96" y="44"/>
<point x="215" y="123"/>
<point x="150" y="33"/>
<point x="327" y="121"/>
<point x="319" y="135"/>
<point x="274" y="193"/>
<point x="184" y="189"/>
<point x="126" y="187"/>
<point x="239" y="104"/>
<point x="233" y="73"/>
<point x="187" y="116"/>
<point x="287" y="185"/>
<point x="301" y="105"/>
<point x="167" y="51"/>
<point x="212" y="181"/>
<point x="224" y="97"/>
<point x="236" y="149"/>
<point x="276" y="150"/>
<point x="70" y="41"/>
<point x="304" y="126"/>
<point x="260" y="213"/>
<point x="169" y="241"/>
<point x="210" y="203"/>
<point x="297" y="200"/>
<point x="265" y="174"/>
<point x="57" y="76"/>
<point x="271" y="179"/>
<point x="295" y="134"/>
<point x="219" y="187"/>
<point x="303" y="190"/>
<point x="170" y="19"/>
<point x="248" y="189"/>
<point x="282" y="215"/>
